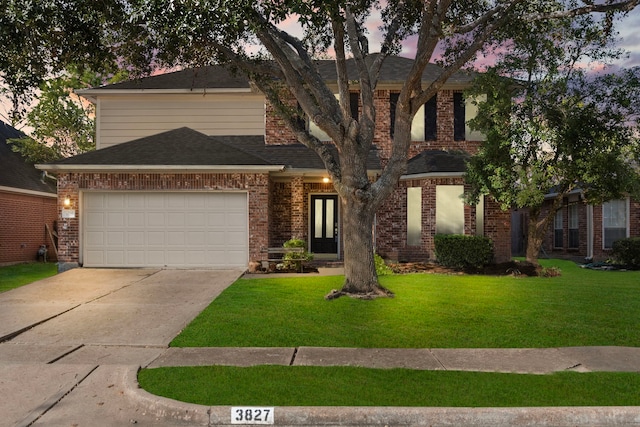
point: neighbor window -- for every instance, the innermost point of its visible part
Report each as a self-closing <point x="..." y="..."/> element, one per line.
<point x="449" y="209"/>
<point x="558" y="229"/>
<point x="574" y="231"/>
<point x="414" y="216"/>
<point x="614" y="221"/>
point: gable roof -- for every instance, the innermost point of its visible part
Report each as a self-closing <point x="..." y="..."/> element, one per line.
<point x="15" y="172"/>
<point x="393" y="71"/>
<point x="187" y="149"/>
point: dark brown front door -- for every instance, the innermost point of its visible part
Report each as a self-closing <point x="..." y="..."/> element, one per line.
<point x="324" y="224"/>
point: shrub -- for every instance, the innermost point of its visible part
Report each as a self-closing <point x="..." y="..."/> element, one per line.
<point x="627" y="251"/>
<point x="382" y="269"/>
<point x="458" y="251"/>
<point x="293" y="260"/>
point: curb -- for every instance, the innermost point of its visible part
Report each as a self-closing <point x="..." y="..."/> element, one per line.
<point x="168" y="409"/>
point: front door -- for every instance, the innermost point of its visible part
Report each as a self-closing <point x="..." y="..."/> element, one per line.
<point x="324" y="224"/>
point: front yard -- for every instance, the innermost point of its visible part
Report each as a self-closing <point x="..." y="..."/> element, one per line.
<point x="579" y="308"/>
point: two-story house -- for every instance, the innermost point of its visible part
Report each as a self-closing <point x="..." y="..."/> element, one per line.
<point x="193" y="169"/>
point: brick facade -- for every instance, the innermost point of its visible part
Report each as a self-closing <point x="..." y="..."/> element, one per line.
<point x="582" y="250"/>
<point x="256" y="185"/>
<point x="289" y="219"/>
<point x="391" y="224"/>
<point x="22" y="229"/>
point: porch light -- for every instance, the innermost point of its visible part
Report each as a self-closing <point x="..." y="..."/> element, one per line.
<point x="67" y="202"/>
<point x="326" y="180"/>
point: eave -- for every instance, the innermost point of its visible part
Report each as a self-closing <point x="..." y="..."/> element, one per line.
<point x="61" y="168"/>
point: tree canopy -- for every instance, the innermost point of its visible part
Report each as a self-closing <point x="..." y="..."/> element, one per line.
<point x="554" y="125"/>
<point x="41" y="38"/>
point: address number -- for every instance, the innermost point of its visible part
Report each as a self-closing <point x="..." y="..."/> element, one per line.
<point x="251" y="415"/>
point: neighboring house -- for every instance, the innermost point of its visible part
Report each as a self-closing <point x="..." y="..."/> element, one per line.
<point x="28" y="205"/>
<point x="193" y="169"/>
<point x="587" y="231"/>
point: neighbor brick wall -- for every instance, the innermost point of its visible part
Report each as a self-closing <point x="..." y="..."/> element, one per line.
<point x="599" y="253"/>
<point x="257" y="186"/>
<point x="22" y="228"/>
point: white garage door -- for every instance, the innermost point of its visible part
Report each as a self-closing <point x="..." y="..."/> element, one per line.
<point x="130" y="229"/>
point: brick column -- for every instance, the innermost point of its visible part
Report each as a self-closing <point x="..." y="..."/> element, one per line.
<point x="297" y="207"/>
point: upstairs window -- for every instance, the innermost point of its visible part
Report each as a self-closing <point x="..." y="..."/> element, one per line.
<point x="459" y="113"/>
<point x="425" y="123"/>
<point x="354" y="100"/>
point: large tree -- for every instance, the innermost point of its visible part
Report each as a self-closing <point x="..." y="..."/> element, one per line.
<point x="42" y="36"/>
<point x="556" y="125"/>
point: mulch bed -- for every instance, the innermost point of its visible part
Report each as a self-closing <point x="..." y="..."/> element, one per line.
<point x="511" y="268"/>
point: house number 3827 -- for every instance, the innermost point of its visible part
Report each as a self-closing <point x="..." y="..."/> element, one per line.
<point x="251" y="415"/>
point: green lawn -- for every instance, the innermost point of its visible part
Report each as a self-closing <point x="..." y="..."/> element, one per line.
<point x="14" y="276"/>
<point x="579" y="308"/>
<point x="349" y="386"/>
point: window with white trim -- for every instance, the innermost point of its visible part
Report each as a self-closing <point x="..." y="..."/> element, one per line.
<point x="558" y="229"/>
<point x="574" y="226"/>
<point x="614" y="222"/>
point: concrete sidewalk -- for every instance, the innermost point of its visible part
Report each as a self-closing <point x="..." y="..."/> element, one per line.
<point x="522" y="361"/>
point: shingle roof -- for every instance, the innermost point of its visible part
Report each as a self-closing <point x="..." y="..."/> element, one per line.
<point x="394" y="69"/>
<point x="187" y="147"/>
<point x="434" y="161"/>
<point x="15" y="172"/>
<point x="181" y="146"/>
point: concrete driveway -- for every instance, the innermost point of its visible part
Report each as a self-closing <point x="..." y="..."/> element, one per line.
<point x="81" y="327"/>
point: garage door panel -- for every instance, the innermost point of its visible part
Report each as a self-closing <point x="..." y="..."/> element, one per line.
<point x="135" y="219"/>
<point x="135" y="238"/>
<point x="175" y="238"/>
<point x="165" y="229"/>
<point x="115" y="257"/>
<point x="95" y="219"/>
<point x="115" y="201"/>
<point x="115" y="238"/>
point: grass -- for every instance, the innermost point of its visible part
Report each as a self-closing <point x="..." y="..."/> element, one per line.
<point x="14" y="276"/>
<point x="350" y="386"/>
<point x="580" y="308"/>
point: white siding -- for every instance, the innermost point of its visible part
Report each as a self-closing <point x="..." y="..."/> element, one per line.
<point x="125" y="118"/>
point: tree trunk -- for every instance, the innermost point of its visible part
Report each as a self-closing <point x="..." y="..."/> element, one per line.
<point x="536" y="231"/>
<point x="361" y="279"/>
<point x="534" y="242"/>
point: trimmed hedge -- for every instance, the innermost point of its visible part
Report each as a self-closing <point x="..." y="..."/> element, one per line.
<point x="627" y="251"/>
<point x="458" y="251"/>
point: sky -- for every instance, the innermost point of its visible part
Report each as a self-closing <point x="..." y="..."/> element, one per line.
<point x="628" y="28"/>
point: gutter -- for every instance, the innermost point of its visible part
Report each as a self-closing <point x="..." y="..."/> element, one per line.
<point x="92" y="94"/>
<point x="28" y="192"/>
<point x="432" y="175"/>
<point x="160" y="168"/>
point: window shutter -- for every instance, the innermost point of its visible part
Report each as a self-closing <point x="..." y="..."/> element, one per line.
<point x="354" y="99"/>
<point x="393" y="102"/>
<point x="431" y="119"/>
<point x="458" y="117"/>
